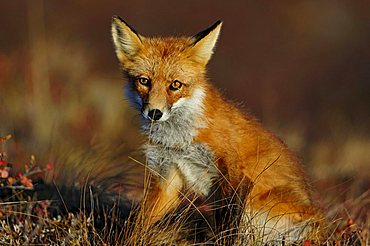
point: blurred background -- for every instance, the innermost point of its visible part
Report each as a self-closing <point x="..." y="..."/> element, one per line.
<point x="301" y="67"/>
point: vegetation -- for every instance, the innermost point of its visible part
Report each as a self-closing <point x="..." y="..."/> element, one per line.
<point x="27" y="220"/>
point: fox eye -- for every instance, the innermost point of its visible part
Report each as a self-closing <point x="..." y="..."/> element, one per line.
<point x="143" y="81"/>
<point x="176" y="85"/>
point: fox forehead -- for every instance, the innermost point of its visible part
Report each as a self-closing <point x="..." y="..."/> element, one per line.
<point x="167" y="58"/>
<point x="166" y="47"/>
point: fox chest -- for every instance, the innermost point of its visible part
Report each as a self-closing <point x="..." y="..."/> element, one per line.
<point x="194" y="161"/>
<point x="171" y="146"/>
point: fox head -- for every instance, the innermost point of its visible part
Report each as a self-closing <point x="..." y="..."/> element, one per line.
<point x="163" y="73"/>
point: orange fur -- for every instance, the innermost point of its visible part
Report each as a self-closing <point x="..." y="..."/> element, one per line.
<point x="245" y="149"/>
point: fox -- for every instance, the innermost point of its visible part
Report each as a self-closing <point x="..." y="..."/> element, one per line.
<point x="198" y="139"/>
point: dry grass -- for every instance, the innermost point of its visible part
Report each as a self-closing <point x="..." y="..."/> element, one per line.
<point x="101" y="218"/>
<point x="29" y="222"/>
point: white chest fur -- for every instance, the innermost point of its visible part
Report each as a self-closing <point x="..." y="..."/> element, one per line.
<point x="171" y="143"/>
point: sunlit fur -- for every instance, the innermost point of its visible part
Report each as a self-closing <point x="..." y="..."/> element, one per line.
<point x="204" y="137"/>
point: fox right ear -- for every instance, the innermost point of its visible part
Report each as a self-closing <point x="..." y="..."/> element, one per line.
<point x="126" y="41"/>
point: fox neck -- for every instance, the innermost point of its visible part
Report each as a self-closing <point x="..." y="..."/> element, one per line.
<point x="181" y="127"/>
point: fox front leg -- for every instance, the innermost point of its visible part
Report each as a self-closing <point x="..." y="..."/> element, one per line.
<point x="163" y="196"/>
<point x="191" y="167"/>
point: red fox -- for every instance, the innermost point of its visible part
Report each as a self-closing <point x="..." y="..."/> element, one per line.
<point x="196" y="137"/>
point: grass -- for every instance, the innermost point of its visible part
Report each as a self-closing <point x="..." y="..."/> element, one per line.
<point x="100" y="217"/>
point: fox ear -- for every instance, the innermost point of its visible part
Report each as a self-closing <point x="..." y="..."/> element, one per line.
<point x="205" y="41"/>
<point x="126" y="41"/>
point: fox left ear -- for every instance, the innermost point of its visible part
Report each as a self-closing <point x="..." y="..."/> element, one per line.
<point x="205" y="41"/>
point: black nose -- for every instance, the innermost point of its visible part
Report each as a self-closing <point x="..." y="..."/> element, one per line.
<point x="155" y="114"/>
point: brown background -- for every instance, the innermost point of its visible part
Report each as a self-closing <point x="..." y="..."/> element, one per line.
<point x="302" y="67"/>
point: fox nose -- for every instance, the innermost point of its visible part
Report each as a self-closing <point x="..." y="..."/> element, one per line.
<point x="155" y="114"/>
